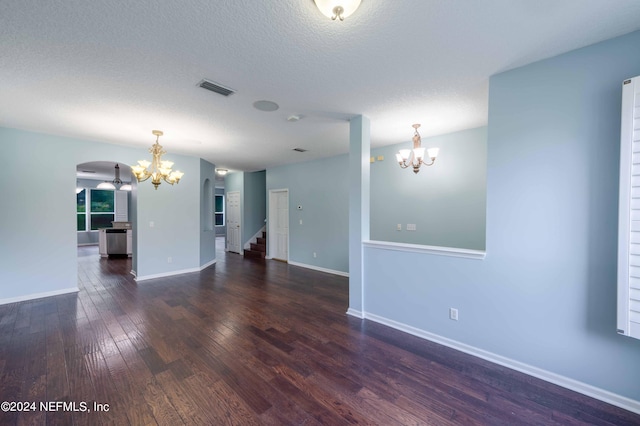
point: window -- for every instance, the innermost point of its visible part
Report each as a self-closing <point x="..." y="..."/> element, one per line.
<point x="81" y="210"/>
<point x="219" y="211"/>
<point x="102" y="208"/>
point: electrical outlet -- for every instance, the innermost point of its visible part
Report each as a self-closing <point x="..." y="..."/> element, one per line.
<point x="399" y="228"/>
<point x="169" y="259"/>
<point x="314" y="254"/>
<point x="453" y="314"/>
<point x="300" y="221"/>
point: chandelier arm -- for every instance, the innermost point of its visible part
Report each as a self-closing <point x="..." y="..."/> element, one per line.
<point x="167" y="180"/>
<point x="145" y="177"/>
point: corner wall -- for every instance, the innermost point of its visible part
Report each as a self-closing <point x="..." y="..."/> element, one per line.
<point x="253" y="204"/>
<point x="545" y="296"/>
<point x="207" y="219"/>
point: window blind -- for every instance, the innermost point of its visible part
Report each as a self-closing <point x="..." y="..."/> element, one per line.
<point x="628" y="316"/>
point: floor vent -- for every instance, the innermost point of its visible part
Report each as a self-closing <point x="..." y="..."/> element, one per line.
<point x="215" y="87"/>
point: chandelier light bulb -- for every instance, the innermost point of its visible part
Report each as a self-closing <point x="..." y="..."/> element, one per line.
<point x="337" y="9"/>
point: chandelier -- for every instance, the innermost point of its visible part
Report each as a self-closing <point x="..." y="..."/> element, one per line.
<point x="337" y="9"/>
<point x="123" y="186"/>
<point x="159" y="170"/>
<point x="414" y="158"/>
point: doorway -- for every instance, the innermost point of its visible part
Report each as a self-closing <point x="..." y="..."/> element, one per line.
<point x="99" y="208"/>
<point x="234" y="227"/>
<point x="278" y="236"/>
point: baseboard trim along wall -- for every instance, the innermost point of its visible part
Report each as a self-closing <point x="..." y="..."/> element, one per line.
<point x="172" y="273"/>
<point x="39" y="295"/>
<point x="574" y="385"/>
<point x="206" y="265"/>
<point x="355" y="313"/>
<point x="318" y="268"/>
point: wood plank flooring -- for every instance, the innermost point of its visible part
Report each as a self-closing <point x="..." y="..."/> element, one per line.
<point x="249" y="342"/>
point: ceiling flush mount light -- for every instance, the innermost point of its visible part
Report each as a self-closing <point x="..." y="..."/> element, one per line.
<point x="112" y="185"/>
<point x="222" y="172"/>
<point x="266" y="106"/>
<point x="337" y="9"/>
<point x="414" y="158"/>
<point x="157" y="169"/>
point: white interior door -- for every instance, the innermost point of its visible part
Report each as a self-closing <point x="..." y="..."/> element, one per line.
<point x="233" y="222"/>
<point x="279" y="224"/>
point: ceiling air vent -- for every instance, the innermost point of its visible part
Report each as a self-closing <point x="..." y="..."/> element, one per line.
<point x="300" y="149"/>
<point x="215" y="87"/>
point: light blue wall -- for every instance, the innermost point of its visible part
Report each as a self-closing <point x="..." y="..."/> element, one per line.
<point x="359" y="208"/>
<point x="175" y="213"/>
<point x="38" y="235"/>
<point x="255" y="204"/>
<point x="321" y="188"/>
<point x="207" y="228"/>
<point x="546" y="293"/>
<point x="446" y="202"/>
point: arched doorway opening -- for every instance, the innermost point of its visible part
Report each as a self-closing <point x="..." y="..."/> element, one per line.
<point x="106" y="215"/>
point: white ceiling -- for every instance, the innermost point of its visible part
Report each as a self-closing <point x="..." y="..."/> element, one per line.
<point x="112" y="71"/>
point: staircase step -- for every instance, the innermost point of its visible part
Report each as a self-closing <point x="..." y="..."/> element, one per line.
<point x="262" y="241"/>
<point x="258" y="247"/>
<point x="254" y="254"/>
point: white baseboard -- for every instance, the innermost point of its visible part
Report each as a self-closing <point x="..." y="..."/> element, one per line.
<point x="355" y="313"/>
<point x="206" y="265"/>
<point x="318" y="268"/>
<point x="557" y="379"/>
<point x="39" y="295"/>
<point x="172" y="273"/>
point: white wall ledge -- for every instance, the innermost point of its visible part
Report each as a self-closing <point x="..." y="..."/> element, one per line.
<point x="417" y="248"/>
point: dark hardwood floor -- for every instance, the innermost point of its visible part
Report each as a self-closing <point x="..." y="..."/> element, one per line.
<point x="249" y="342"/>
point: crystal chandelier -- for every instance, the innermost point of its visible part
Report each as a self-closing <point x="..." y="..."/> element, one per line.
<point x="414" y="158"/>
<point x="159" y="170"/>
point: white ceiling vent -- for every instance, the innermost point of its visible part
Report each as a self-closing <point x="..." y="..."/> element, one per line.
<point x="215" y="87"/>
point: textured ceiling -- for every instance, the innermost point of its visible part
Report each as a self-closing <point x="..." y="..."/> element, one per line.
<point x="112" y="71"/>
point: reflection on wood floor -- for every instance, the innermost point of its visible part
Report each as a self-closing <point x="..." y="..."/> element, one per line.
<point x="249" y="342"/>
